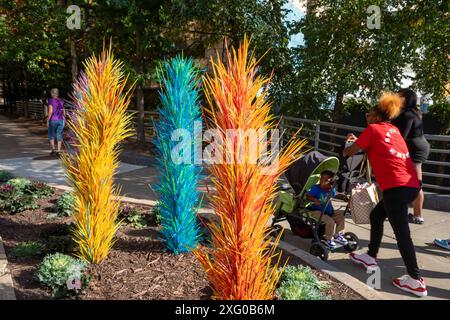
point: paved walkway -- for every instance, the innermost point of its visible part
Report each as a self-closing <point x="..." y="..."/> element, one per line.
<point x="24" y="151"/>
<point x="433" y="261"/>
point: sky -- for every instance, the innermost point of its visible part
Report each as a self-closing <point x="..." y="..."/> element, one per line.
<point x="297" y="12"/>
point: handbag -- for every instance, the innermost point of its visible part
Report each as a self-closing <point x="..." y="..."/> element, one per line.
<point x="363" y="199"/>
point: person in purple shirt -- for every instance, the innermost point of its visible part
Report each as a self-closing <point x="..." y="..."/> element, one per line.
<point x="55" y="120"/>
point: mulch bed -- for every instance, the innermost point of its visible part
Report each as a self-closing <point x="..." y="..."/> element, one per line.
<point x="137" y="268"/>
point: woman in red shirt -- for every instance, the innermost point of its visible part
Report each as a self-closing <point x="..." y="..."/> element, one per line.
<point x="396" y="176"/>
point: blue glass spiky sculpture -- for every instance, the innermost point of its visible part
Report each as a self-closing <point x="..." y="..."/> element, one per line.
<point x="177" y="189"/>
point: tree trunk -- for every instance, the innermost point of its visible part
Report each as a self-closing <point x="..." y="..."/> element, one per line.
<point x="140" y="103"/>
<point x="336" y="116"/>
<point x="338" y="107"/>
<point x="26" y="113"/>
<point x="74" y="60"/>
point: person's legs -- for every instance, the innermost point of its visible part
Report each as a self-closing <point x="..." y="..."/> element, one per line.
<point x="340" y="222"/>
<point x="329" y="224"/>
<point x="377" y="218"/>
<point x="51" y="135"/>
<point x="59" y="130"/>
<point x="418" y="203"/>
<point x="396" y="202"/>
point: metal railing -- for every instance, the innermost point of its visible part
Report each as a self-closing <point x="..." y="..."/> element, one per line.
<point x="325" y="137"/>
<point x="329" y="138"/>
<point x="149" y="117"/>
<point x="36" y="109"/>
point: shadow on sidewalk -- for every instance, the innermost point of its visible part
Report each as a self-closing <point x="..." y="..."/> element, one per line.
<point x="45" y="158"/>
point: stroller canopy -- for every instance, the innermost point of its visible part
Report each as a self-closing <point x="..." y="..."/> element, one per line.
<point x="310" y="164"/>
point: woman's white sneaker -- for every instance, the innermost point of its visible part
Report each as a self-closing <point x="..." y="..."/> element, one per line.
<point x="363" y="258"/>
<point x="414" y="286"/>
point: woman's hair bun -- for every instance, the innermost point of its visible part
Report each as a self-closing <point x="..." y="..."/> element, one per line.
<point x="391" y="104"/>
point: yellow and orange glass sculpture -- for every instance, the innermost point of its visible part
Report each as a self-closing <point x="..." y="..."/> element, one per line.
<point x="242" y="263"/>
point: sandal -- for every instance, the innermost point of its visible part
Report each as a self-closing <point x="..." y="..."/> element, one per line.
<point x="53" y="153"/>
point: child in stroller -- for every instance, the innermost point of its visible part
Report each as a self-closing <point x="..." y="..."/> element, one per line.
<point x="318" y="195"/>
<point x="293" y="206"/>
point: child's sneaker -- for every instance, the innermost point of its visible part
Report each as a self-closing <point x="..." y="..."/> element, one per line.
<point x="411" y="285"/>
<point x="339" y="238"/>
<point x="363" y="258"/>
<point x="330" y="243"/>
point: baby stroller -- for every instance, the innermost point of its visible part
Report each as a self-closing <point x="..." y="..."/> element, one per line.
<point x="351" y="172"/>
<point x="292" y="204"/>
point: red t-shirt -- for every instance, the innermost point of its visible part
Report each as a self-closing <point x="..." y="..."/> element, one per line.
<point x="388" y="154"/>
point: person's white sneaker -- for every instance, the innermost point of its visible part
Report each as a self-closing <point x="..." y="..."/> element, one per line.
<point x="411" y="285"/>
<point x="363" y="258"/>
<point x="330" y="243"/>
<point x="340" y="238"/>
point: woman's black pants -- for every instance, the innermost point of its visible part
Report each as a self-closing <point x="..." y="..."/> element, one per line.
<point x="394" y="206"/>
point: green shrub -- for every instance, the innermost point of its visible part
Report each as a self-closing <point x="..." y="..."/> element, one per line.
<point x="20" y="184"/>
<point x="33" y="188"/>
<point x="58" y="238"/>
<point x="12" y="200"/>
<point x="300" y="283"/>
<point x="155" y="215"/>
<point x="133" y="217"/>
<point x="65" y="204"/>
<point x="39" y="189"/>
<point x="62" y="229"/>
<point x="205" y="233"/>
<point x="27" y="249"/>
<point x="64" y="274"/>
<point x="20" y="194"/>
<point x="62" y="244"/>
<point x="5" y="176"/>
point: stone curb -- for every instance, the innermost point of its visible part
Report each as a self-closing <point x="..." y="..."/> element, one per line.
<point x="356" y="285"/>
<point x="362" y="289"/>
<point x="6" y="283"/>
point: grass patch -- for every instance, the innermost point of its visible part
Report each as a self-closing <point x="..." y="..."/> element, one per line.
<point x="28" y="249"/>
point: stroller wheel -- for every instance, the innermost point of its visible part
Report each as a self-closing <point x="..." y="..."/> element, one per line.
<point x="276" y="229"/>
<point x="353" y="241"/>
<point x="319" y="250"/>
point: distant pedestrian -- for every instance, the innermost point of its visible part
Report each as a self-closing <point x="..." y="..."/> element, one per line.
<point x="55" y="120"/>
<point x="410" y="124"/>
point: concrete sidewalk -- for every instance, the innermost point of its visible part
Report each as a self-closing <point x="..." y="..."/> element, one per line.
<point x="25" y="153"/>
<point x="433" y="261"/>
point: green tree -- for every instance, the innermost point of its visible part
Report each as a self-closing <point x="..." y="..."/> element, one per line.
<point x="210" y="22"/>
<point x="33" y="42"/>
<point x="342" y="55"/>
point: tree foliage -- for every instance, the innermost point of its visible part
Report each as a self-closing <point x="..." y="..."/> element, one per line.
<point x="342" y="55"/>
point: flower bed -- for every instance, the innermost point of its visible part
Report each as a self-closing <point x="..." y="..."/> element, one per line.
<point x="138" y="267"/>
